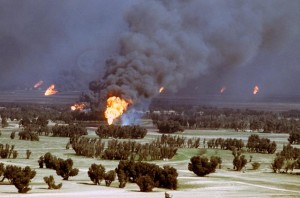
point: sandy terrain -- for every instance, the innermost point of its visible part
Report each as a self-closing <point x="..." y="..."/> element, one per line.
<point x="223" y="183"/>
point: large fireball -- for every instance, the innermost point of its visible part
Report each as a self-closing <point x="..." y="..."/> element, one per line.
<point x="115" y="108"/>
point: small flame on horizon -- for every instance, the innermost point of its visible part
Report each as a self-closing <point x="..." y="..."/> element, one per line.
<point x="255" y="90"/>
<point x="51" y="90"/>
<point x="222" y="89"/>
<point x="38" y="84"/>
<point x="78" y="106"/>
<point x="161" y="89"/>
<point x="115" y="108"/>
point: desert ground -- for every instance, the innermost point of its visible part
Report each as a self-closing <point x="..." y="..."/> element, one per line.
<point x="225" y="182"/>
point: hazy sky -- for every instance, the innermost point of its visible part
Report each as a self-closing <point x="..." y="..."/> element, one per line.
<point x="197" y="46"/>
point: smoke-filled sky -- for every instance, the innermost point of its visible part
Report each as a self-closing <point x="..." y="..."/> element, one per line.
<point x="190" y="46"/>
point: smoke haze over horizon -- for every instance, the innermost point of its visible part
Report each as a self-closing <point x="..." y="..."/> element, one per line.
<point x="193" y="47"/>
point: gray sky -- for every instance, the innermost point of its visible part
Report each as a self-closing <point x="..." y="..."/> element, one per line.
<point x="197" y="46"/>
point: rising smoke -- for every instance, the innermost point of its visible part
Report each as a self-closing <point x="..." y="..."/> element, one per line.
<point x="60" y="42"/>
<point x="151" y="43"/>
<point x="172" y="42"/>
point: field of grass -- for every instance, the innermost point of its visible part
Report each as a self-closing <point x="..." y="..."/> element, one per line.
<point x="223" y="183"/>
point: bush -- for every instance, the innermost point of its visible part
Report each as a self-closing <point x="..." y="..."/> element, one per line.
<point x="65" y="168"/>
<point x="124" y="132"/>
<point x="201" y="166"/>
<point x="28" y="153"/>
<point x="145" y="183"/>
<point x="255" y="165"/>
<point x="109" y="177"/>
<point x="96" y="173"/>
<point x="239" y="162"/>
<point x="51" y="183"/>
<point x="169" y="126"/>
<point x="20" y="177"/>
<point x="12" y="135"/>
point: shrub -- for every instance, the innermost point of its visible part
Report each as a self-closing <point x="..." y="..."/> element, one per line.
<point x="20" y="177"/>
<point x="28" y="153"/>
<point x="65" y="168"/>
<point x="145" y="183"/>
<point x="96" y="173"/>
<point x="15" y="154"/>
<point x="51" y="183"/>
<point x="239" y="162"/>
<point x="12" y="135"/>
<point x="255" y="165"/>
<point x="201" y="166"/>
<point x="109" y="177"/>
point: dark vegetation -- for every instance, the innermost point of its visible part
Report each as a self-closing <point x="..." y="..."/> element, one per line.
<point x="51" y="183"/>
<point x="63" y="168"/>
<point x="226" y="118"/>
<point x="7" y="151"/>
<point x="122" y="132"/>
<point x="146" y="175"/>
<point x="33" y="122"/>
<point x="202" y="166"/>
<point x="97" y="174"/>
<point x="163" y="147"/>
<point x="18" y="176"/>
<point x="287" y="159"/>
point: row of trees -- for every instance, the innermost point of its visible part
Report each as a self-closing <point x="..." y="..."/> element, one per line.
<point x="239" y="120"/>
<point x="294" y="137"/>
<point x="260" y="145"/>
<point x="168" y="126"/>
<point x="287" y="159"/>
<point x="254" y="144"/>
<point x="124" y="132"/>
<point x="225" y="144"/>
<point x="70" y="130"/>
<point x="7" y="151"/>
<point x="163" y="147"/>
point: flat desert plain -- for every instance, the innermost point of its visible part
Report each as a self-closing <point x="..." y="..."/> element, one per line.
<point x="225" y="182"/>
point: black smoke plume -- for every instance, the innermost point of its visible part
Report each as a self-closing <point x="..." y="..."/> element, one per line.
<point x="172" y="42"/>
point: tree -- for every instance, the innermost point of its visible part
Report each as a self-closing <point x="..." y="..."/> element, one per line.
<point x="65" y="168"/>
<point x="51" y="183"/>
<point x="96" y="173"/>
<point x="201" y="166"/>
<point x="239" y="162"/>
<point x="19" y="177"/>
<point x="109" y="177"/>
<point x="277" y="163"/>
<point x="4" y="122"/>
<point x="294" y="137"/>
<point x="169" y="126"/>
<point x="145" y="183"/>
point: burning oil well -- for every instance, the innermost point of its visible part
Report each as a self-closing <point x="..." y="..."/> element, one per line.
<point x="172" y="42"/>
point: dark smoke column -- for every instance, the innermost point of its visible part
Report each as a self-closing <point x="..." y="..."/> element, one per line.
<point x="170" y="42"/>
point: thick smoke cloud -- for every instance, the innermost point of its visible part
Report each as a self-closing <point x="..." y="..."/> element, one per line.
<point x="190" y="46"/>
<point x="172" y="42"/>
<point x="59" y="41"/>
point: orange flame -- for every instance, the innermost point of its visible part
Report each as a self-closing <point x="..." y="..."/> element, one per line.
<point x="161" y="89"/>
<point x="78" y="106"/>
<point x="38" y="84"/>
<point x="114" y="108"/>
<point x="255" y="89"/>
<point x="51" y="90"/>
<point x="223" y="89"/>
